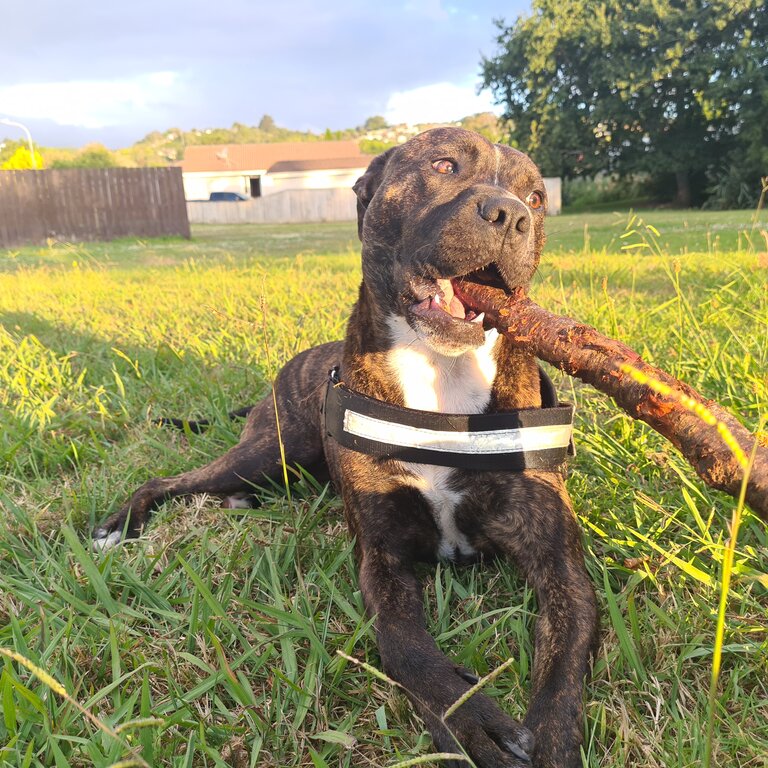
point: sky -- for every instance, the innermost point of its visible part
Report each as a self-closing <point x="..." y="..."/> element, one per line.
<point x="82" y="71"/>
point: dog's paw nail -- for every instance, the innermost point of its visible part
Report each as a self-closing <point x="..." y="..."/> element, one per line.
<point x="104" y="540"/>
<point x="517" y="751"/>
<point x="468" y="675"/>
<point x="521" y="746"/>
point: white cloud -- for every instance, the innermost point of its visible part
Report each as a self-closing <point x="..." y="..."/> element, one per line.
<point x="91" y="103"/>
<point x="437" y="103"/>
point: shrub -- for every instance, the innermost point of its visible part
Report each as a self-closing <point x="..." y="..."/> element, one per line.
<point x="602" y="190"/>
<point x="21" y="160"/>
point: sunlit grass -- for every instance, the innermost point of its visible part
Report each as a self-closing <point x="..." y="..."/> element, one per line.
<point x="219" y="632"/>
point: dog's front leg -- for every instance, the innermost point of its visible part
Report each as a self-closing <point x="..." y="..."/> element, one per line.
<point x="409" y="655"/>
<point x="547" y="547"/>
<point x="565" y="639"/>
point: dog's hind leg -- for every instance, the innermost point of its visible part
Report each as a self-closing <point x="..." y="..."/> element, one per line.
<point x="236" y="471"/>
<point x="256" y="458"/>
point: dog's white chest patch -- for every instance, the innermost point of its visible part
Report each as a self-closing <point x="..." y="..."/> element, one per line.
<point x="433" y="382"/>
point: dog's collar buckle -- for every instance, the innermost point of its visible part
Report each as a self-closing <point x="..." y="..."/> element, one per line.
<point x="527" y="438"/>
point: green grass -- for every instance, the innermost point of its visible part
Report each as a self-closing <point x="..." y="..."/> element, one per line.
<point x="682" y="231"/>
<point x="214" y="640"/>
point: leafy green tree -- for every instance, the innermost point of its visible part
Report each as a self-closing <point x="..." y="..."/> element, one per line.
<point x="375" y="123"/>
<point x="95" y="156"/>
<point x="486" y="124"/>
<point x="672" y="86"/>
<point x="91" y="156"/>
<point x="21" y="160"/>
<point x="267" y="124"/>
<point x="375" y="146"/>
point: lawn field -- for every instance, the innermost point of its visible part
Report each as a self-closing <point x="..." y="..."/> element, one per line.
<point x="215" y="640"/>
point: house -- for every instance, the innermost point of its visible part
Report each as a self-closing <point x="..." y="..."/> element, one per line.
<point x="260" y="170"/>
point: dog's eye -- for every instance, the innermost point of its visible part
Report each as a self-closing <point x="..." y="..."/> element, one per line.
<point x="535" y="200"/>
<point x="444" y="166"/>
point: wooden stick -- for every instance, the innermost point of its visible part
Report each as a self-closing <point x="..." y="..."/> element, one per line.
<point x="697" y="427"/>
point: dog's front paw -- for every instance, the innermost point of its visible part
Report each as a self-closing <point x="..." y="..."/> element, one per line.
<point x="102" y="539"/>
<point x="114" y="530"/>
<point x="489" y="737"/>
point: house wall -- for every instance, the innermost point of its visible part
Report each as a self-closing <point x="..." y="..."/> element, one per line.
<point x="329" y="179"/>
<point x="554" y="188"/>
<point x="288" y="206"/>
<point x="199" y="185"/>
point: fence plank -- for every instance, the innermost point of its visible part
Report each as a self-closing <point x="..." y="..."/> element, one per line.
<point x="72" y="204"/>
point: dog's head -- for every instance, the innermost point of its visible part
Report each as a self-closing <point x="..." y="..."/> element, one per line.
<point x="448" y="204"/>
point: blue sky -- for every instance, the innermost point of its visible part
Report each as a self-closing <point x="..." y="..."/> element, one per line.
<point x="85" y="71"/>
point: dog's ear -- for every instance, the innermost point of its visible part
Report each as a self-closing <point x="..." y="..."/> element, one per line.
<point x="365" y="187"/>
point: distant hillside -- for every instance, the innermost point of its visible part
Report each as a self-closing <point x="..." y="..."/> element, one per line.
<point x="375" y="136"/>
<point x="167" y="147"/>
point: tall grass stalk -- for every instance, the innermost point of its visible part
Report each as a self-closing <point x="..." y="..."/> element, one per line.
<point x="728" y="556"/>
<point x="725" y="585"/>
<point x="274" y="397"/>
<point x="727" y="566"/>
<point x="434" y="757"/>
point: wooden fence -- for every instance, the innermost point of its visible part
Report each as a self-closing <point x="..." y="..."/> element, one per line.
<point x="72" y="204"/>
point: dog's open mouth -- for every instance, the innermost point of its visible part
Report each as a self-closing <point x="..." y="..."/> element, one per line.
<point x="446" y="302"/>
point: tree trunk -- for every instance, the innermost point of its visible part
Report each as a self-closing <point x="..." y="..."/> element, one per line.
<point x="683" y="197"/>
<point x="583" y="352"/>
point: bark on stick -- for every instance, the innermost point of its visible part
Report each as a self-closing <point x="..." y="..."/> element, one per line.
<point x="585" y="353"/>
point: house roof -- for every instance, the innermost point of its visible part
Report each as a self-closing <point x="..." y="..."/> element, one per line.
<point x="331" y="163"/>
<point x="260" y="157"/>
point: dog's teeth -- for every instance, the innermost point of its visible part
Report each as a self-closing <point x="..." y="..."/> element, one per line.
<point x="479" y="318"/>
<point x="438" y="300"/>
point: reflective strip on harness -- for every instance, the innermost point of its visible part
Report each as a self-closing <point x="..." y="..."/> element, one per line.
<point x="492" y="441"/>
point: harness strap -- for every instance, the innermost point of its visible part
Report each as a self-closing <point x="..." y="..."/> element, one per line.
<point x="527" y="438"/>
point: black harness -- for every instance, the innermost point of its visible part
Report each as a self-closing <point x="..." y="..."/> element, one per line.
<point x="526" y="438"/>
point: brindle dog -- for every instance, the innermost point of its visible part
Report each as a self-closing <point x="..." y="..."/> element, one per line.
<point x="446" y="204"/>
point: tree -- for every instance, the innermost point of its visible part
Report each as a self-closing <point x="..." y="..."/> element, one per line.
<point x="267" y="124"/>
<point x="670" y="86"/>
<point x="95" y="156"/>
<point x="375" y="123"/>
<point x="375" y="146"/>
<point x="486" y="124"/>
<point x="21" y="160"/>
<point x="90" y="156"/>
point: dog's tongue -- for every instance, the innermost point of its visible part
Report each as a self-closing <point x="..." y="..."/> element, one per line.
<point x="449" y="302"/>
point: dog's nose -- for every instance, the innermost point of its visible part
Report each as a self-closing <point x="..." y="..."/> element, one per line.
<point x="504" y="210"/>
